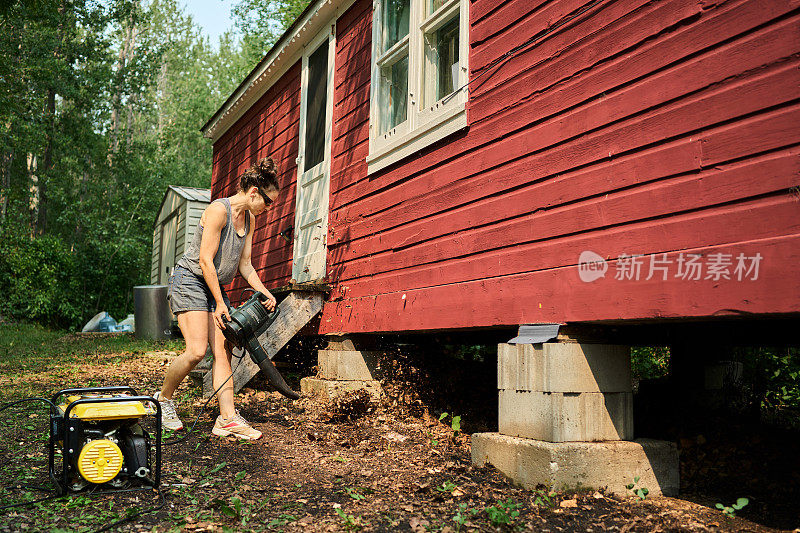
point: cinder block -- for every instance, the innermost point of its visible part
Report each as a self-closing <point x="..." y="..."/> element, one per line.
<point x="348" y="365"/>
<point x="574" y="465"/>
<point x="331" y="389"/>
<point x="564" y="367"/>
<point x="563" y="417"/>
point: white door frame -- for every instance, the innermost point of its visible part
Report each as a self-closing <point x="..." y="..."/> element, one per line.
<point x="305" y="268"/>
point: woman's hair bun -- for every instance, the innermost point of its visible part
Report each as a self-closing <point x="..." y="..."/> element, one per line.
<point x="266" y="166"/>
<point x="262" y="174"/>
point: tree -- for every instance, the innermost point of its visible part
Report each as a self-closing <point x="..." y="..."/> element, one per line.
<point x="262" y="22"/>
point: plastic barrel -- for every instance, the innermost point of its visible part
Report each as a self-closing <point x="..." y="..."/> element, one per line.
<point x="152" y="316"/>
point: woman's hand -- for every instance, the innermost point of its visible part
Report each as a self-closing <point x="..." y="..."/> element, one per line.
<point x="221" y="310"/>
<point x="269" y="302"/>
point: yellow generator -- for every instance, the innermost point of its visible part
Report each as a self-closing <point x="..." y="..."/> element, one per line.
<point x="99" y="435"/>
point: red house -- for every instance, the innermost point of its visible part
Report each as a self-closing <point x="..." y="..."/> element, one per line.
<point x="456" y="164"/>
<point x="461" y="164"/>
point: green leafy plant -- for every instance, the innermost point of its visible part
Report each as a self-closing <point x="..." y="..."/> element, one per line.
<point x="234" y="510"/>
<point x="730" y="511"/>
<point x="281" y="521"/>
<point x="354" y="492"/>
<point x="462" y="514"/>
<point x="447" y="486"/>
<point x="215" y="469"/>
<point x="350" y="522"/>
<point x="641" y="492"/>
<point x="455" y="423"/>
<point x="543" y="498"/>
<point x="504" y="513"/>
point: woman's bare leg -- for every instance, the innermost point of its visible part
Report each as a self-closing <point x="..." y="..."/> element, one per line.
<point x="222" y="369"/>
<point x="194" y="326"/>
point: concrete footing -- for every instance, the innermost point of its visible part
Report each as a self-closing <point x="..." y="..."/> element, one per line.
<point x="342" y="371"/>
<point x="576" y="465"/>
<point x="564" y="412"/>
<point x="331" y="389"/>
<point x="349" y="365"/>
<point x="563" y="417"/>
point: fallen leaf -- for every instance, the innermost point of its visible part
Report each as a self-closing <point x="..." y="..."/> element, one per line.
<point x="393" y="436"/>
<point x="568" y="503"/>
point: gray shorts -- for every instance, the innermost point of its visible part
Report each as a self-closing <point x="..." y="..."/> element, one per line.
<point x="189" y="292"/>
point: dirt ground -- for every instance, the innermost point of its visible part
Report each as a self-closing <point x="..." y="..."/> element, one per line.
<point x="350" y="465"/>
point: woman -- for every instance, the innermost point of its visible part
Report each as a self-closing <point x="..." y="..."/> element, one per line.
<point x="222" y="243"/>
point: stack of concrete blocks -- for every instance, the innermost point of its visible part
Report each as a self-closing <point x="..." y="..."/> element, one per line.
<point x="342" y="368"/>
<point x="566" y="421"/>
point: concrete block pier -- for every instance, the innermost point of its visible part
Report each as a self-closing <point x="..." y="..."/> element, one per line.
<point x="566" y="421"/>
<point x="343" y="370"/>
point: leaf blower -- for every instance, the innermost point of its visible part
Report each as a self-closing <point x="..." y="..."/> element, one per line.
<point x="247" y="323"/>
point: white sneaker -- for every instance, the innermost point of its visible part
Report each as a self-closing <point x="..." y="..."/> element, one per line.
<point x="169" y="416"/>
<point x="236" y="426"/>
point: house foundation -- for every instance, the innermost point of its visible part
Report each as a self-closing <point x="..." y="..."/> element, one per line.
<point x="566" y="421"/>
<point x="343" y="368"/>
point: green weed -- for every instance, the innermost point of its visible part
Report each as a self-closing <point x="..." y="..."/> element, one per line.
<point x="349" y="521"/>
<point x="641" y="492"/>
<point x="543" y="498"/>
<point x="504" y="513"/>
<point x="463" y="513"/>
<point x="447" y="486"/>
<point x="281" y="521"/>
<point x="730" y="511"/>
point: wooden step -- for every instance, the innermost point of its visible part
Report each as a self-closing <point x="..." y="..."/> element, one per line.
<point x="296" y="310"/>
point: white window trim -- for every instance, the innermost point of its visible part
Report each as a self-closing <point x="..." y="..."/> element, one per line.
<point x="422" y="126"/>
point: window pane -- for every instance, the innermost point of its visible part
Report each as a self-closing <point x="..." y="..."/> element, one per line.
<point x="395" y="18"/>
<point x="316" y="104"/>
<point x="445" y="58"/>
<point x="433" y="5"/>
<point x="395" y="100"/>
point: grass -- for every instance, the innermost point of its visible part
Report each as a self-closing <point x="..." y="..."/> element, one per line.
<point x="36" y="361"/>
<point x="24" y="346"/>
<point x="29" y="349"/>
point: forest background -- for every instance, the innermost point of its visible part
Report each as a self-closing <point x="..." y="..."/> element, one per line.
<point x="101" y="103"/>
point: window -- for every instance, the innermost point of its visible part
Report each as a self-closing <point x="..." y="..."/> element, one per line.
<point x="419" y="76"/>
<point x="316" y="105"/>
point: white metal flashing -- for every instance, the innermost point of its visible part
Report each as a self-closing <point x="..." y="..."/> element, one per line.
<point x="286" y="52"/>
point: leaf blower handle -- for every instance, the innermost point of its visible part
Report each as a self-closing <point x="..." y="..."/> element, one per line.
<point x="260" y="357"/>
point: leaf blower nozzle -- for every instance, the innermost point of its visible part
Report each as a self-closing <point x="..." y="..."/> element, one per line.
<point x="247" y="323"/>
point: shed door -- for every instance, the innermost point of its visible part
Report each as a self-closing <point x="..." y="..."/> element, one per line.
<point x="168" y="235"/>
<point x="313" y="162"/>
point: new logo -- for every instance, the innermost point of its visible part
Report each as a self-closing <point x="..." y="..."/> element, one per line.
<point x="591" y="266"/>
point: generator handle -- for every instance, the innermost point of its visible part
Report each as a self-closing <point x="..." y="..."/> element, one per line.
<point x="113" y="388"/>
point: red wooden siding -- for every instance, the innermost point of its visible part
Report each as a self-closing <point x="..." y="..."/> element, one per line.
<point x="636" y="127"/>
<point x="270" y="128"/>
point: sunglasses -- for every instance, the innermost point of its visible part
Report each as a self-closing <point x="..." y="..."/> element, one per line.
<point x="267" y="199"/>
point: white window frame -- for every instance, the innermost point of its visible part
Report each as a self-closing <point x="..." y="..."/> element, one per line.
<point x="436" y="120"/>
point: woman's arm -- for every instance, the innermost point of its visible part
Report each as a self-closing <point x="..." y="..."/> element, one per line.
<point x="213" y="220"/>
<point x="246" y="267"/>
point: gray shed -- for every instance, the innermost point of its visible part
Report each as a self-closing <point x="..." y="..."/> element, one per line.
<point x="177" y="218"/>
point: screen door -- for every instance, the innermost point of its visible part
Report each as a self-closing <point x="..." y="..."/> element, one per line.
<point x="313" y="161"/>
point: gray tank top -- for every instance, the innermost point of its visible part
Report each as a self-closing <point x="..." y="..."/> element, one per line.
<point x="229" y="251"/>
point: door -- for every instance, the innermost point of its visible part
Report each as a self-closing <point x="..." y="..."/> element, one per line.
<point x="313" y="161"/>
<point x="168" y="238"/>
